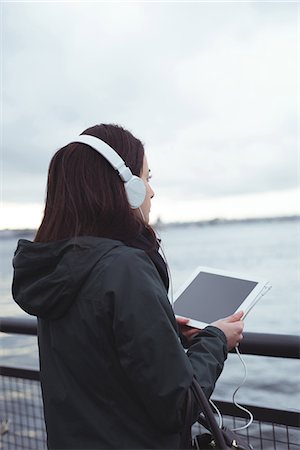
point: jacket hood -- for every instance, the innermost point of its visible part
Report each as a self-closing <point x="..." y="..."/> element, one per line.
<point x="48" y="276"/>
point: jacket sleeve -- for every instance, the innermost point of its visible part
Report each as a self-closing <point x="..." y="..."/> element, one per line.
<point x="149" y="349"/>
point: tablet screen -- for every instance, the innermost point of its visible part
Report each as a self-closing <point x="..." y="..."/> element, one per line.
<point x="210" y="297"/>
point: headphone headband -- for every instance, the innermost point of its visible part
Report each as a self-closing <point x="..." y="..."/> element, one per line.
<point x="134" y="186"/>
<point x="108" y="153"/>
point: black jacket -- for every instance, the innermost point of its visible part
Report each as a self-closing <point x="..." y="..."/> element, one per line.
<point x="113" y="371"/>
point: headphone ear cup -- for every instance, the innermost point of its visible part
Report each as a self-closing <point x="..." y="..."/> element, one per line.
<point x="136" y="191"/>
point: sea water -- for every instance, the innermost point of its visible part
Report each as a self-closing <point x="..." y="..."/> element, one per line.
<point x="268" y="250"/>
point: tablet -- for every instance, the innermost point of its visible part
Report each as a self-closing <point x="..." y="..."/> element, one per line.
<point x="212" y="294"/>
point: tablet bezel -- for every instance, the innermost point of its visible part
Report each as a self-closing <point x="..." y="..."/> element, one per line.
<point x="260" y="289"/>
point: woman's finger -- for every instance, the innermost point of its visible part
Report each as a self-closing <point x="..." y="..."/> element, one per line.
<point x="182" y="320"/>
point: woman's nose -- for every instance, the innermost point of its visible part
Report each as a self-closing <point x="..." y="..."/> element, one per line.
<point x="151" y="192"/>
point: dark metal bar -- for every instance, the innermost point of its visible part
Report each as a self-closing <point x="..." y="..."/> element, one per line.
<point x="268" y="415"/>
<point x="19" y="325"/>
<point x="16" y="372"/>
<point x="265" y="344"/>
<point x="262" y="344"/>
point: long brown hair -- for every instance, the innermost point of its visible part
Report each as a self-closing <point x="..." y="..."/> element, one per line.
<point x="85" y="195"/>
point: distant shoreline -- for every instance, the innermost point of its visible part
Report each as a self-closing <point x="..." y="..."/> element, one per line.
<point x="7" y="233"/>
<point x="223" y="221"/>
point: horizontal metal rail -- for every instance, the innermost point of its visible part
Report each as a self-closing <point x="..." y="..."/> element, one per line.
<point x="17" y="372"/>
<point x="19" y="325"/>
<point x="261" y="344"/>
<point x="269" y="415"/>
<point x="267" y="344"/>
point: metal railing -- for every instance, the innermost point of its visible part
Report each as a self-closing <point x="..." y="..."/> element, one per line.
<point x="21" y="412"/>
<point x="261" y="344"/>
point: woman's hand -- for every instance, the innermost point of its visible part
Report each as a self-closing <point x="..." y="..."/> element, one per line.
<point x="187" y="332"/>
<point x="232" y="326"/>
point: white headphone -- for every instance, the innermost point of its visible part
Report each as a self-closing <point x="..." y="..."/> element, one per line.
<point x="134" y="186"/>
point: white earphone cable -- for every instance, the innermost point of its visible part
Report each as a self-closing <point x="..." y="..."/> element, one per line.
<point x="234" y="401"/>
<point x="141" y="213"/>
<point x="171" y="294"/>
<point x="235" y="392"/>
<point x="218" y="412"/>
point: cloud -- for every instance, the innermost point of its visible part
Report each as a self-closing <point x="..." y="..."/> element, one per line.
<point x="210" y="88"/>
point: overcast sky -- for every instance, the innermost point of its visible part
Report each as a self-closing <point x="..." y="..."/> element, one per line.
<point x="210" y="88"/>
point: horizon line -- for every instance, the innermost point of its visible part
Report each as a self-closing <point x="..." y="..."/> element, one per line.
<point x="214" y="221"/>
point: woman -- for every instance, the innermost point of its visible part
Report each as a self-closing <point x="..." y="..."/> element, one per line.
<point x="114" y="373"/>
